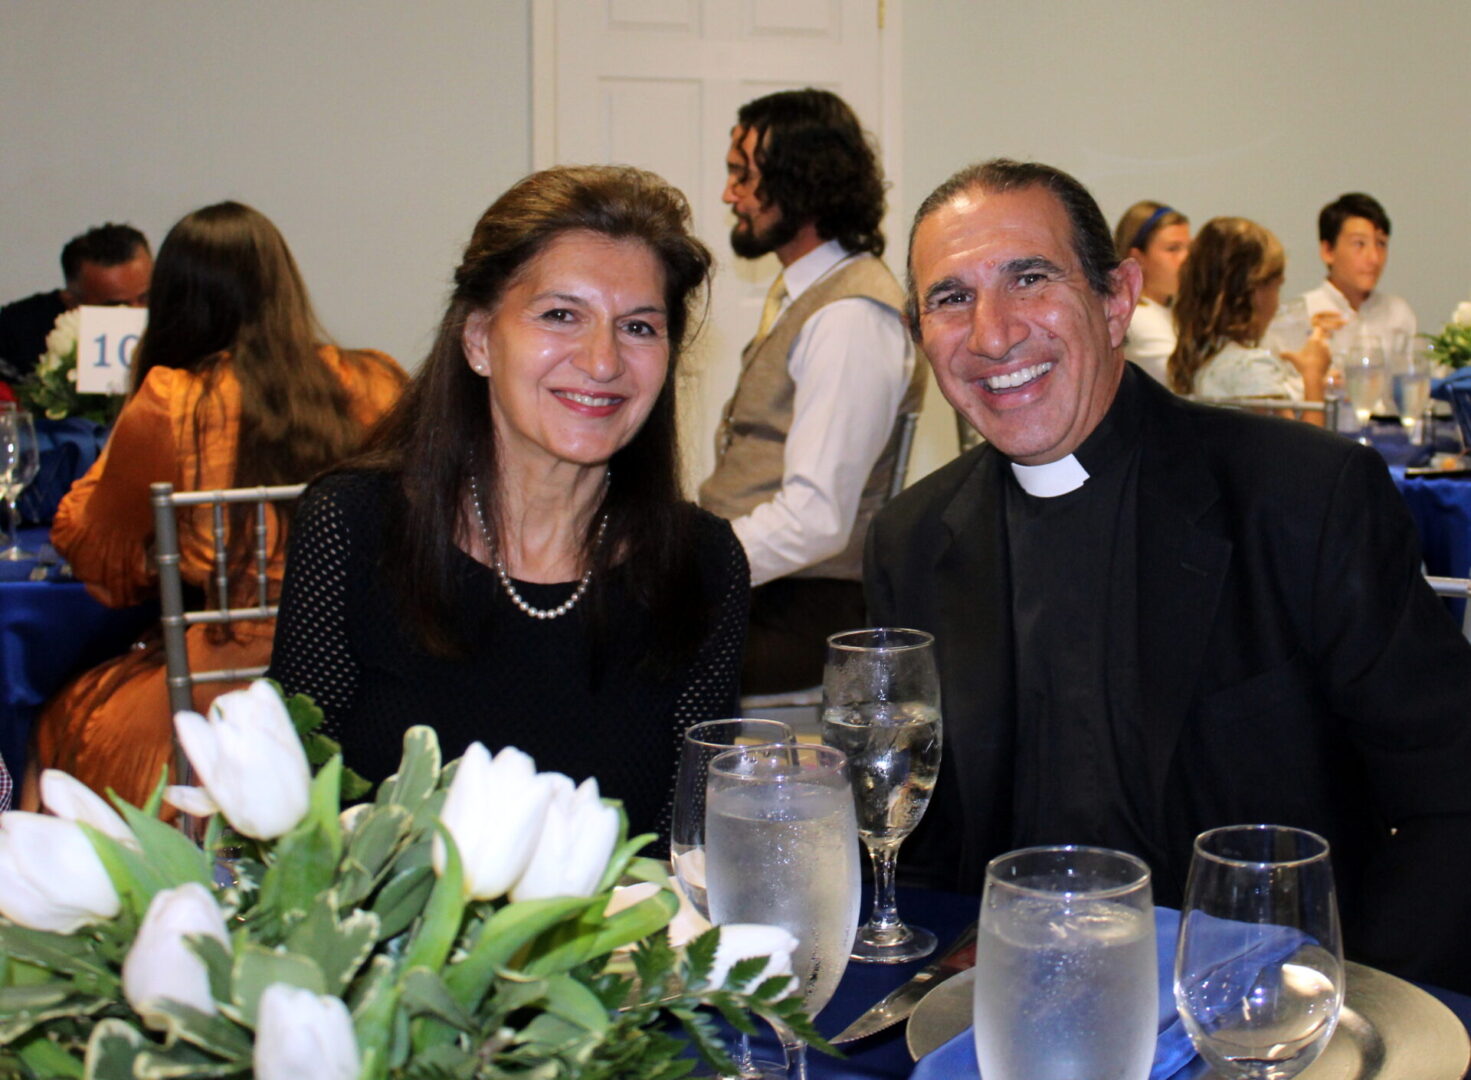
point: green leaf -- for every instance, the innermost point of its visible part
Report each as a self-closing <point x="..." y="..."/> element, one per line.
<point x="624" y="852"/>
<point x="502" y="936"/>
<point x="216" y="1035"/>
<point x="706" y="1038"/>
<point x="66" y="954"/>
<point x="641" y="869"/>
<point x="699" y="957"/>
<point x="23" y="1008"/>
<point x="372" y="1015"/>
<point x="168" y="851"/>
<point x="112" y="1049"/>
<point x="219" y="963"/>
<point x="376" y="838"/>
<point x="425" y="993"/>
<point x="442" y="914"/>
<point x="401" y="900"/>
<point x="744" y="970"/>
<point x="257" y="967"/>
<point x="653" y="960"/>
<point x="338" y="948"/>
<point x="306" y="860"/>
<point x="575" y="1003"/>
<point x="418" y="770"/>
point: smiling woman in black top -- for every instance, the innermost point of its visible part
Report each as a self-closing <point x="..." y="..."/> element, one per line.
<point x="511" y="561"/>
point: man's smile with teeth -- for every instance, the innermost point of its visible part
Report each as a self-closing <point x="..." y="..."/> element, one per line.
<point x="589" y="400"/>
<point x="1012" y="380"/>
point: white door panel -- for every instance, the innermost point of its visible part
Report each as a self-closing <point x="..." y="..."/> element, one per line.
<point x="656" y="83"/>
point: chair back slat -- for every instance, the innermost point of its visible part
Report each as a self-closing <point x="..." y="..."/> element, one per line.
<point x="175" y="620"/>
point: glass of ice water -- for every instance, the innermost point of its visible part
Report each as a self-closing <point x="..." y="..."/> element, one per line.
<point x="781" y="848"/>
<point x="703" y="743"/>
<point x="1259" y="967"/>
<point x="1364" y="378"/>
<point x="881" y="707"/>
<point x="1066" y="979"/>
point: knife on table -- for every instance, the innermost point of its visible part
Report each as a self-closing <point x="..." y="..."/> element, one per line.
<point x="900" y="1003"/>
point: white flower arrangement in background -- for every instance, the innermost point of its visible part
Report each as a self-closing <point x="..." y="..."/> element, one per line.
<point x="460" y="924"/>
<point x="51" y="389"/>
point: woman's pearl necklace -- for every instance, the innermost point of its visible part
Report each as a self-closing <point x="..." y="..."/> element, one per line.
<point x="500" y="567"/>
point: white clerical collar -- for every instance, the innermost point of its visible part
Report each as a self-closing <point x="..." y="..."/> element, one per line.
<point x="1051" y="479"/>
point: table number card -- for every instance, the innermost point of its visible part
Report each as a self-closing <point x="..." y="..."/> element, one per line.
<point x="105" y="345"/>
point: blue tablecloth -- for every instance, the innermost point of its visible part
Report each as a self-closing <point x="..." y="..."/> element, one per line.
<point x="885" y="1054"/>
<point x="49" y="631"/>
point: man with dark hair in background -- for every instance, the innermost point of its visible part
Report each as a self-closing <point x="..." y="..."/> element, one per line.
<point x="809" y="441"/>
<point x="1353" y="241"/>
<point x="1153" y="617"/>
<point x="107" y="266"/>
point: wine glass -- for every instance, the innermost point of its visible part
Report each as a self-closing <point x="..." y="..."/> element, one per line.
<point x="20" y="460"/>
<point x="1259" y="967"/>
<point x="1067" y="983"/>
<point x="781" y="848"/>
<point x="881" y="707"/>
<point x="702" y="743"/>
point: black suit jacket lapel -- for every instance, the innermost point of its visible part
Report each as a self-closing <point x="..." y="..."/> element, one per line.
<point x="1184" y="556"/>
<point x="976" y="664"/>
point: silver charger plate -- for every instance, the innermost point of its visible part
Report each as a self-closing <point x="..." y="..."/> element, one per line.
<point x="1389" y="1030"/>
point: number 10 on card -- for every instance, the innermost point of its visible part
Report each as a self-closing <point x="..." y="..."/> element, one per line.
<point x="105" y="346"/>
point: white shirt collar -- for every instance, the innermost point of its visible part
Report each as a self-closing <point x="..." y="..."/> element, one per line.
<point x="801" y="275"/>
<point x="1051" y="479"/>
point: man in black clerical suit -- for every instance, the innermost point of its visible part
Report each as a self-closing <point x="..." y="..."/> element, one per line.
<point x="1155" y="617"/>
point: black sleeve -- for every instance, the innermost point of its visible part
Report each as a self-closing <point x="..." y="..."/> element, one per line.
<point x="312" y="653"/>
<point x="713" y="688"/>
<point x="1395" y="664"/>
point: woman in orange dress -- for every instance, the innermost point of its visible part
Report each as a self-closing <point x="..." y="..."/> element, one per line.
<point x="231" y="388"/>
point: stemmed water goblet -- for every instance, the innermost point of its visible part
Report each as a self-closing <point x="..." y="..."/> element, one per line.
<point x="20" y="461"/>
<point x="1259" y="968"/>
<point x="881" y="707"/>
<point x="702" y="743"/>
<point x="781" y="848"/>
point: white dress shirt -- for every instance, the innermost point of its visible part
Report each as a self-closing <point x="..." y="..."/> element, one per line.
<point x="851" y="363"/>
<point x="1383" y="315"/>
<point x="1151" y="338"/>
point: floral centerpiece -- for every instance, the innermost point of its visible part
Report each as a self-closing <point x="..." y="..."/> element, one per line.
<point x="1452" y="346"/>
<point x="51" y="389"/>
<point x="459" y="925"/>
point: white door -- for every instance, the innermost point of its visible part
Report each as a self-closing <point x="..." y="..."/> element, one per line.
<point x="656" y="83"/>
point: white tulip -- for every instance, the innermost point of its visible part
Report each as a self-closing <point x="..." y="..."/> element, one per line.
<point x="161" y="966"/>
<point x="494" y="809"/>
<point x="62" y="338"/>
<point x="740" y="941"/>
<point x="50" y="875"/>
<point x="576" y="843"/>
<point x="67" y="797"/>
<point x="249" y="760"/>
<point x="299" y="1033"/>
<point x="1462" y="317"/>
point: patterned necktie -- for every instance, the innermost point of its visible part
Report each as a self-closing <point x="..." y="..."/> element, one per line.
<point x="775" y="296"/>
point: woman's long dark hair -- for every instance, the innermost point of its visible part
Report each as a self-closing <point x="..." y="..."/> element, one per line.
<point x="1230" y="258"/>
<point x="225" y="288"/>
<point x="440" y="431"/>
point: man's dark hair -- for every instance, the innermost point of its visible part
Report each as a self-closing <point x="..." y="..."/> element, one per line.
<point x="817" y="165"/>
<point x="1352" y="204"/>
<point x="1092" y="240"/>
<point x="106" y="245"/>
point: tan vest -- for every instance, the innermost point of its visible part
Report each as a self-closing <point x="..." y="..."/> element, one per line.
<point x="750" y="445"/>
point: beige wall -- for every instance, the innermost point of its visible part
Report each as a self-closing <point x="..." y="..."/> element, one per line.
<point x="1266" y="110"/>
<point x="373" y="132"/>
